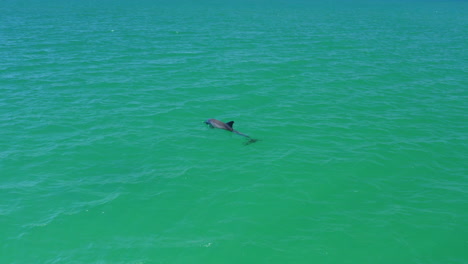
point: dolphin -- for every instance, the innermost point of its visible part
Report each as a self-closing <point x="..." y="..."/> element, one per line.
<point x="214" y="123"/>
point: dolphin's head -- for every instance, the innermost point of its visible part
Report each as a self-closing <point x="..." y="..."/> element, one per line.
<point x="208" y="122"/>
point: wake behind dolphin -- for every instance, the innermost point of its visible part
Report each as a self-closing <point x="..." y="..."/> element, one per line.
<point x="229" y="127"/>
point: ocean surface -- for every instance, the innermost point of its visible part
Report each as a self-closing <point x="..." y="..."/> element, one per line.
<point x="359" y="107"/>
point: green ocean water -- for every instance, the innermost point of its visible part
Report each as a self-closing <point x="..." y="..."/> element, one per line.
<point x="360" y="108"/>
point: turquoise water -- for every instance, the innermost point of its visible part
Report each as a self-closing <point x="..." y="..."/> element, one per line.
<point x="360" y="109"/>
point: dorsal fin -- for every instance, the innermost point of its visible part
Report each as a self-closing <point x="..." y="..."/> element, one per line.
<point x="230" y="123"/>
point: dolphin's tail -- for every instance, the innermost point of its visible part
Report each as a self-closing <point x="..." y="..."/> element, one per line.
<point x="239" y="133"/>
<point x="250" y="141"/>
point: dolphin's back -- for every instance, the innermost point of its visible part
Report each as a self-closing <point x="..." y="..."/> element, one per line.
<point x="218" y="124"/>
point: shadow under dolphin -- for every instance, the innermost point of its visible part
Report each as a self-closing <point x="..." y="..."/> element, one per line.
<point x="214" y="123"/>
